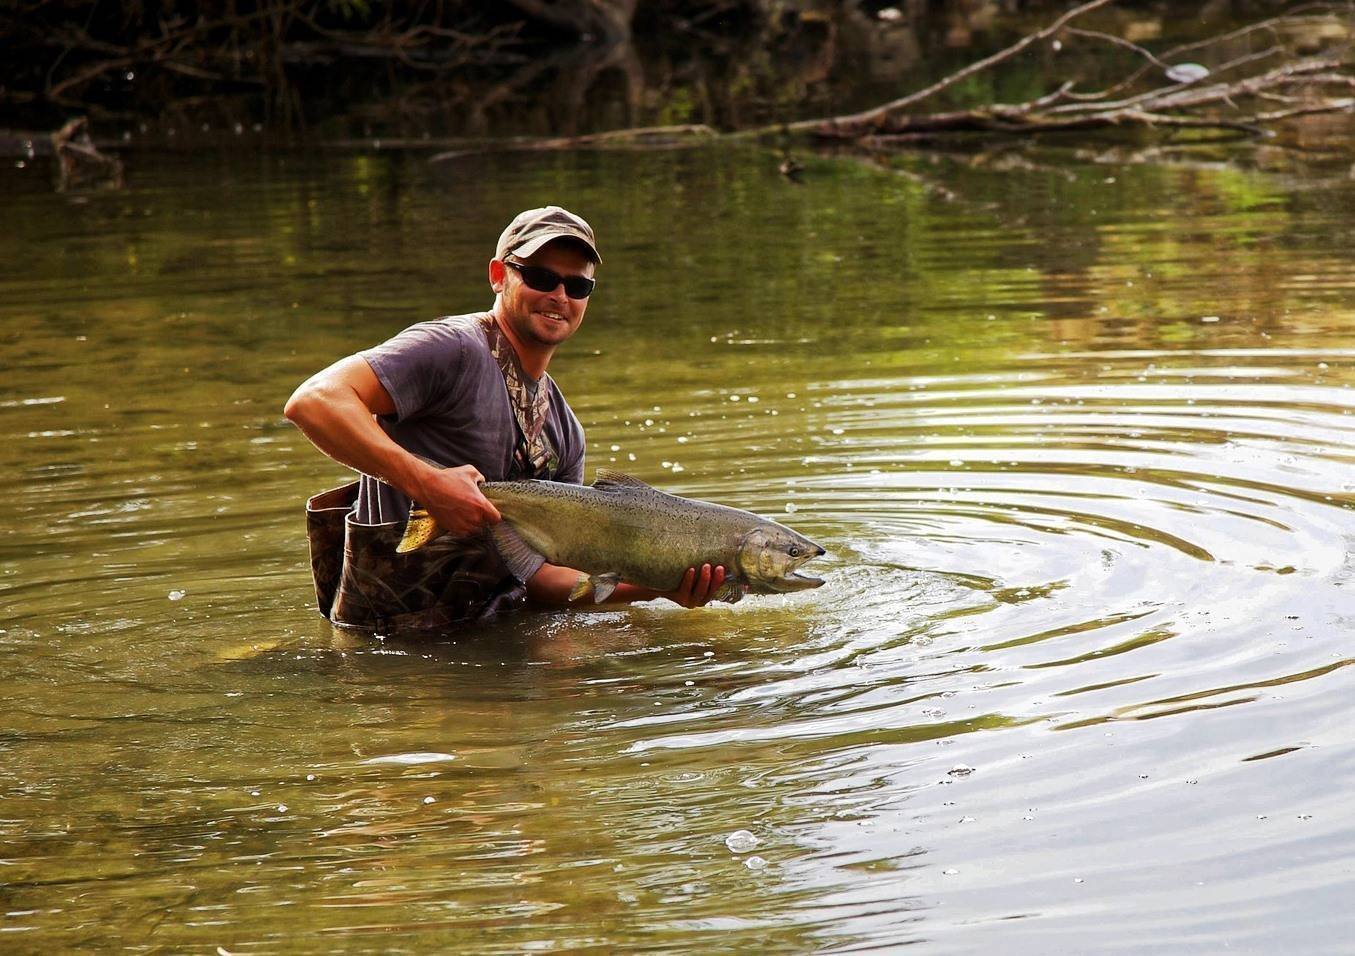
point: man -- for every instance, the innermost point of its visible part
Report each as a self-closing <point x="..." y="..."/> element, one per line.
<point x="435" y="411"/>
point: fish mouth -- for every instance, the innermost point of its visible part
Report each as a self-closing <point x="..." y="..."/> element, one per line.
<point x="795" y="581"/>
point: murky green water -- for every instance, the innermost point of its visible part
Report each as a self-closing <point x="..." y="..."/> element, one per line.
<point x="1078" y="438"/>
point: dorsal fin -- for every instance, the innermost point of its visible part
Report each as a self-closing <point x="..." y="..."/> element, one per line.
<point x="606" y="477"/>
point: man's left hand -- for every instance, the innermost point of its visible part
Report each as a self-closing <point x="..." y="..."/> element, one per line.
<point x="698" y="586"/>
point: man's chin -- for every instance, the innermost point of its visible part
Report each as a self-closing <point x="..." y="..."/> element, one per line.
<point x="551" y="330"/>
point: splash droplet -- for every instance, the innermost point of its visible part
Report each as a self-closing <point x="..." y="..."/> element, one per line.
<point x="741" y="841"/>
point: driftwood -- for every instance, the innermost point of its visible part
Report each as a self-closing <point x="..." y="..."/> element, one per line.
<point x="79" y="164"/>
<point x="1167" y="92"/>
<point x="1248" y="92"/>
<point x="641" y="138"/>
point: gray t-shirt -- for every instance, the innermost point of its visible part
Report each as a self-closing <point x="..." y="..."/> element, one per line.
<point x="451" y="407"/>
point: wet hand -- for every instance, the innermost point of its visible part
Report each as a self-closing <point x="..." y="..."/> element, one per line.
<point x="698" y="586"/>
<point x="454" y="499"/>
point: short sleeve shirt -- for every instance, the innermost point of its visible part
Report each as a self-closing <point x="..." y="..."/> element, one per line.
<point x="452" y="407"/>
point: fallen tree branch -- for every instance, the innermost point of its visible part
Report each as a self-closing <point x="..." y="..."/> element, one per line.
<point x="880" y="114"/>
<point x="1202" y="99"/>
<point x="1120" y="42"/>
<point x="650" y="137"/>
<point x="1295" y="15"/>
<point x="1231" y="98"/>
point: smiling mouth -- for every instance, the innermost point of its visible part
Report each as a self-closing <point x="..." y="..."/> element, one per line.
<point x="554" y="316"/>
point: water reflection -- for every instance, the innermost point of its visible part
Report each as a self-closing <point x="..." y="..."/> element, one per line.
<point x="1079" y="450"/>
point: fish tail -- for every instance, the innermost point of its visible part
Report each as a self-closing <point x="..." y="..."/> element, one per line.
<point x="419" y="530"/>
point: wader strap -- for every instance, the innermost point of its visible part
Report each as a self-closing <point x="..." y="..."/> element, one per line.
<point x="533" y="455"/>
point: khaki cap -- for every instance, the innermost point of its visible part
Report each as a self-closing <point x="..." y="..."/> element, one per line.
<point x="533" y="228"/>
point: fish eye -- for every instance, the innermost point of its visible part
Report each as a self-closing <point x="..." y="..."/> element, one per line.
<point x="794" y="551"/>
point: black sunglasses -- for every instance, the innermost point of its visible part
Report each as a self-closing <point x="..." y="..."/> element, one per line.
<point x="546" y="280"/>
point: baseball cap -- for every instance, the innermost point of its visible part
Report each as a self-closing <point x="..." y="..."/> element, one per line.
<point x="533" y="228"/>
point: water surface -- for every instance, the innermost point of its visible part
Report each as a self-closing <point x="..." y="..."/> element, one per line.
<point x="1077" y="436"/>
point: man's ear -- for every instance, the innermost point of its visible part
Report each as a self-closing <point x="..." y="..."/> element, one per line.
<point x="498" y="275"/>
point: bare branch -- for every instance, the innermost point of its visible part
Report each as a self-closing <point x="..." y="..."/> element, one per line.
<point x="1331" y="106"/>
<point x="1090" y="104"/>
<point x="1293" y="15"/>
<point x="1120" y="42"/>
<point x="880" y="113"/>
<point x="650" y="137"/>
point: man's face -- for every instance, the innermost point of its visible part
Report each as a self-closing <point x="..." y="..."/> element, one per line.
<point x="544" y="318"/>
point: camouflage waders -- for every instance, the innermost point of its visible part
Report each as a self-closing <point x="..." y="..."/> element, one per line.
<point x="360" y="580"/>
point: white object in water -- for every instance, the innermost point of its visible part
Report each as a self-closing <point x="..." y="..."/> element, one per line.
<point x="1187" y="72"/>
<point x="411" y="758"/>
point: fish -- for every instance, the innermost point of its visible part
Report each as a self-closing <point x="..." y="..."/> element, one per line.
<point x="623" y="529"/>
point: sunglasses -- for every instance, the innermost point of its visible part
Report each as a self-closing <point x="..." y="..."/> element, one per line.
<point x="546" y="280"/>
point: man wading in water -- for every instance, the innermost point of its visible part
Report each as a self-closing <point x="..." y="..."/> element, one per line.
<point x="470" y="393"/>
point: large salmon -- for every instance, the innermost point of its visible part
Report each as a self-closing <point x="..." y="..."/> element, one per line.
<point x="621" y="529"/>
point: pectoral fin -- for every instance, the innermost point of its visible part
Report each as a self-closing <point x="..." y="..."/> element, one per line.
<point x="604" y="585"/>
<point x="521" y="559"/>
<point x="731" y="592"/>
<point x="419" y="530"/>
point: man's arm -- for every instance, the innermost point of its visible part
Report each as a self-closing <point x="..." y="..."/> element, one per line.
<point x="334" y="408"/>
<point x="552" y="584"/>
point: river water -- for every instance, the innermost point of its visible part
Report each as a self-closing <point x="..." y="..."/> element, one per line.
<point x="1077" y="435"/>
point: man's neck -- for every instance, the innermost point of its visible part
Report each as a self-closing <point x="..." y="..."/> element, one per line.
<point x="532" y="356"/>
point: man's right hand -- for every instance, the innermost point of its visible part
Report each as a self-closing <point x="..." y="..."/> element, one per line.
<point x="454" y="499"/>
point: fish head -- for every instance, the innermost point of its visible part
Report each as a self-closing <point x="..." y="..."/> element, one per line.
<point x="770" y="554"/>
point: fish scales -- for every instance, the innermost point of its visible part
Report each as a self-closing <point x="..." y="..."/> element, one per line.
<point x="646" y="536"/>
<point x="621" y="529"/>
